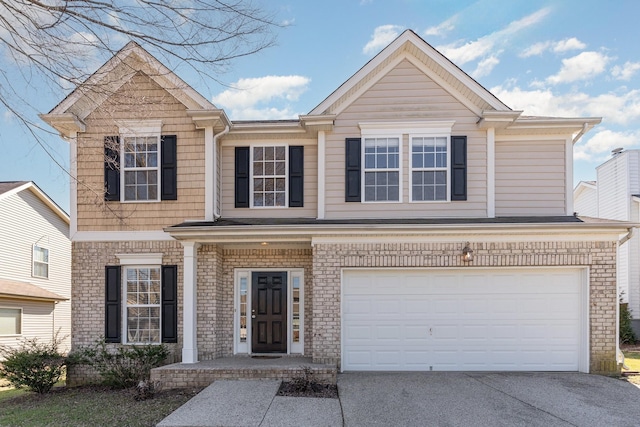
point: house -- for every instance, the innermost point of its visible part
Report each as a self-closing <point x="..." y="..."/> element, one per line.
<point x="615" y="195"/>
<point x="35" y="267"/>
<point x="338" y="235"/>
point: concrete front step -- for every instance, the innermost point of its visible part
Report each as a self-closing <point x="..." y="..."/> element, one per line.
<point x="201" y="374"/>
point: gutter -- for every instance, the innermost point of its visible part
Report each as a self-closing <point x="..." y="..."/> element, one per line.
<point x="585" y="128"/>
<point x="216" y="209"/>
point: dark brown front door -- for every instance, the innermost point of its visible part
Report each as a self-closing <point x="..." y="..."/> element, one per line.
<point x="269" y="312"/>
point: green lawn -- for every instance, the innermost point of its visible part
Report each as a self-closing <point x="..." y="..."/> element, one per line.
<point x="87" y="406"/>
<point x="632" y="361"/>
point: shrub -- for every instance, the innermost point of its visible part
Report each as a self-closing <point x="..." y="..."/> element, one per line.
<point x="34" y="365"/>
<point x="122" y="367"/>
<point x="627" y="336"/>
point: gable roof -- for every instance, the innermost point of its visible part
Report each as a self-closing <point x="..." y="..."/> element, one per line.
<point x="69" y="114"/>
<point x="435" y="65"/>
<point x="24" y="290"/>
<point x="9" y="188"/>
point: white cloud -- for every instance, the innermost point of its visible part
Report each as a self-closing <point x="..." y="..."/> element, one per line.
<point x="599" y="146"/>
<point x="568" y="44"/>
<point x="485" y="66"/>
<point x="623" y="108"/>
<point x="557" y="46"/>
<point x="364" y="2"/>
<point x="463" y="53"/>
<point x="626" y="71"/>
<point x="580" y="67"/>
<point x="382" y="36"/>
<point x="245" y="96"/>
<point x="442" y="28"/>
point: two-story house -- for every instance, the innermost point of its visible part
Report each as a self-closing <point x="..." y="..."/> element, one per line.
<point x="410" y="221"/>
<point x="615" y="195"/>
<point x="35" y="267"/>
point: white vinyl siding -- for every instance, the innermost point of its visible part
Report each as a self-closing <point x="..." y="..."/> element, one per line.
<point x="614" y="192"/>
<point x="585" y="202"/>
<point x="404" y="94"/>
<point x="530" y="177"/>
<point x="25" y="221"/>
<point x="38" y="321"/>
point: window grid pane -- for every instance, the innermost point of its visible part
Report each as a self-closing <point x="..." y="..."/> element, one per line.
<point x="243" y="309"/>
<point x="269" y="176"/>
<point x="40" y="262"/>
<point x="429" y="163"/>
<point x="382" y="169"/>
<point x="143" y="304"/>
<point x="296" y="309"/>
<point x="141" y="168"/>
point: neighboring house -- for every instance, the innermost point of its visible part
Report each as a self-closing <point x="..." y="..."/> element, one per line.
<point x="339" y="235"/>
<point x="35" y="266"/>
<point x="615" y="195"/>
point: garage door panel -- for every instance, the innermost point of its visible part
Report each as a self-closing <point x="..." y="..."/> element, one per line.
<point x="461" y="320"/>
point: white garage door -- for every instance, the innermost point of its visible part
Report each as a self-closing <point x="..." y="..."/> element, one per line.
<point x="463" y="320"/>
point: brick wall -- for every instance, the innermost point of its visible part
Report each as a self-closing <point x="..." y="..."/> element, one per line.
<point x="87" y="292"/>
<point x="600" y="257"/>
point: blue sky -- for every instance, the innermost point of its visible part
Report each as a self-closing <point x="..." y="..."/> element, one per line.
<point x="555" y="58"/>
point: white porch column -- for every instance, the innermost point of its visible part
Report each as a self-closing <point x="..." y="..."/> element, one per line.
<point x="190" y="304"/>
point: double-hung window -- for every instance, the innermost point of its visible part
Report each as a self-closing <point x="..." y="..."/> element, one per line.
<point x="40" y="262"/>
<point x="143" y="304"/>
<point x="140" y="167"/>
<point x="10" y="321"/>
<point x="269" y="179"/>
<point x="381" y="169"/>
<point x="429" y="168"/>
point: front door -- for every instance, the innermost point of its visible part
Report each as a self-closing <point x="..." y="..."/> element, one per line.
<point x="269" y="312"/>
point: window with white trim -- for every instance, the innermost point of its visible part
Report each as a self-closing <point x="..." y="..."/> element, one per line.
<point x="142" y="286"/>
<point x="10" y="321"/>
<point x="269" y="176"/>
<point x="381" y="169"/>
<point x="40" y="262"/>
<point x="429" y="168"/>
<point x="141" y="167"/>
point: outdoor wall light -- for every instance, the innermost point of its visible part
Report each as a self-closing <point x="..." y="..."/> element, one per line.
<point x="467" y="253"/>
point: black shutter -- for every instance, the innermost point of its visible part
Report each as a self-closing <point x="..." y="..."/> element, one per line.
<point x="458" y="168"/>
<point x="296" y="176"/>
<point x="169" y="303"/>
<point x="242" y="177"/>
<point x="112" y="308"/>
<point x="111" y="168"/>
<point x="352" y="178"/>
<point x="169" y="168"/>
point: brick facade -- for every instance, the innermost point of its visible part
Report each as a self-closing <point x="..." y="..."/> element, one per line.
<point x="323" y="266"/>
<point x="600" y="257"/>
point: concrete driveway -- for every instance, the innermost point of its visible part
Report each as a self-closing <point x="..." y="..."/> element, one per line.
<point x="487" y="399"/>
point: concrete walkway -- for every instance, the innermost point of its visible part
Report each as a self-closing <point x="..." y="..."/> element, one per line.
<point x="253" y="403"/>
<point x="422" y="399"/>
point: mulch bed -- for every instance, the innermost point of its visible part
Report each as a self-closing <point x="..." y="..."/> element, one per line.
<point x="327" y="391"/>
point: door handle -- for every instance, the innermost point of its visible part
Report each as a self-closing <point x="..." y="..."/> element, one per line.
<point x="253" y="316"/>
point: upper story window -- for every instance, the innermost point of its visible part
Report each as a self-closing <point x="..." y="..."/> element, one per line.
<point x="40" y="262"/>
<point x="140" y="167"/>
<point x="437" y="162"/>
<point x="429" y="168"/>
<point x="269" y="176"/>
<point x="381" y="169"/>
<point x="269" y="166"/>
<point x="140" y="164"/>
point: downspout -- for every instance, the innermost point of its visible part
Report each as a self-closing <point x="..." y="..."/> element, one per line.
<point x="619" y="353"/>
<point x="585" y="128"/>
<point x="216" y="207"/>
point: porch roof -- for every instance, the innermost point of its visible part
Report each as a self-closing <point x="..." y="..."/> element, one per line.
<point x="22" y="290"/>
